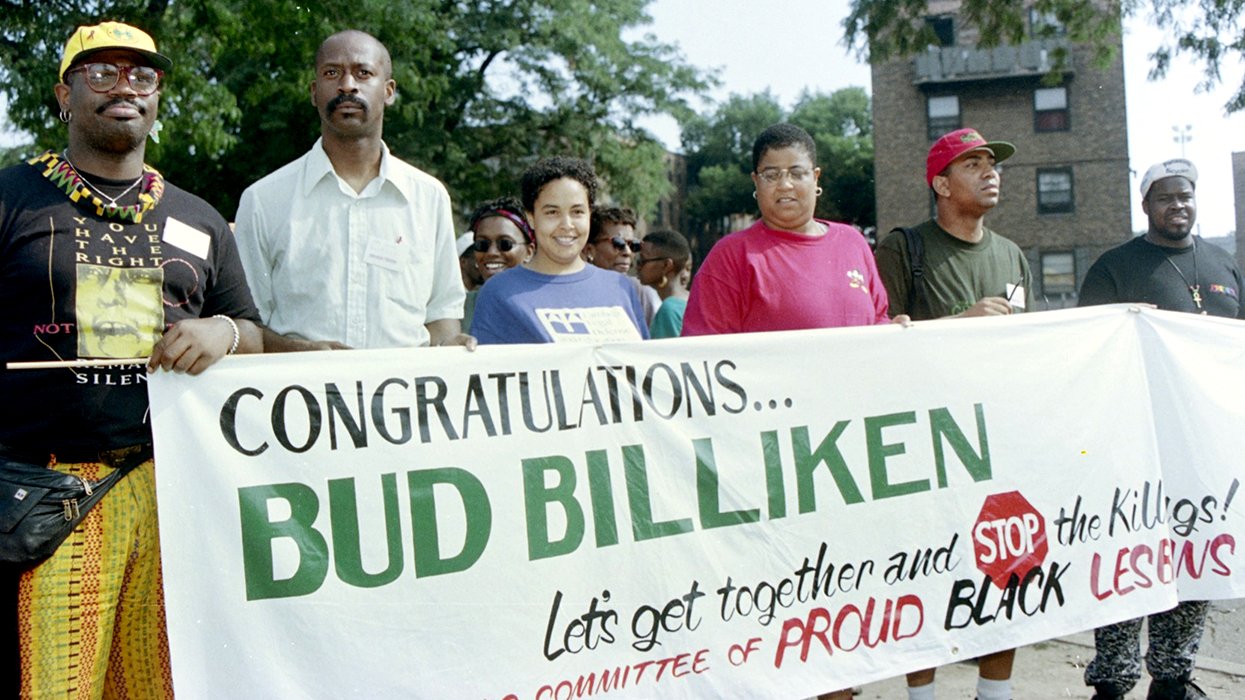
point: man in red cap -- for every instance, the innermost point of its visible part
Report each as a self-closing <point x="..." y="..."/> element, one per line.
<point x="952" y="265"/>
<point x="111" y="273"/>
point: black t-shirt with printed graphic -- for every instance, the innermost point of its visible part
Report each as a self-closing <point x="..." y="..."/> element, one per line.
<point x="1140" y="271"/>
<point x="77" y="285"/>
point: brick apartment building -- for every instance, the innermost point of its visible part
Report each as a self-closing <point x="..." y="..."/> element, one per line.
<point x="1065" y="195"/>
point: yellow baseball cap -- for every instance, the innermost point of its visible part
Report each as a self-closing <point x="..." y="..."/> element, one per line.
<point x="110" y="35"/>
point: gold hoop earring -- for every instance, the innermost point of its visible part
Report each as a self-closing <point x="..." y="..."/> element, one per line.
<point x="65" y="116"/>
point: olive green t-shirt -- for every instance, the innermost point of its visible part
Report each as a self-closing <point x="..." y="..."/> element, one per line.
<point x="957" y="274"/>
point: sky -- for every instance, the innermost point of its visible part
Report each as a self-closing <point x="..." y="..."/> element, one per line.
<point x="798" y="44"/>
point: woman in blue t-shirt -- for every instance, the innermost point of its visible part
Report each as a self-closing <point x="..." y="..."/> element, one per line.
<point x="555" y="297"/>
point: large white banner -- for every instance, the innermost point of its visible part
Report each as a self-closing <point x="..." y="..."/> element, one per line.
<point x="763" y="516"/>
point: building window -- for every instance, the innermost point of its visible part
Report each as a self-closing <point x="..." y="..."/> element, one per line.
<point x="1045" y="24"/>
<point x="944" y="115"/>
<point x="1058" y="273"/>
<point x="1050" y="109"/>
<point x="943" y="27"/>
<point x="1054" y="191"/>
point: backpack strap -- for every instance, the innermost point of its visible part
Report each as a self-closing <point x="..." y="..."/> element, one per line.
<point x="916" y="267"/>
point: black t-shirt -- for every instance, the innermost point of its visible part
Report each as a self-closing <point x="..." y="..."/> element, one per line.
<point x="1140" y="271"/>
<point x="78" y="285"/>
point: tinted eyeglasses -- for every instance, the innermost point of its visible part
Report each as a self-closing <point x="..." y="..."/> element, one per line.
<point x="504" y="245"/>
<point x="102" y="77"/>
<point x="621" y="243"/>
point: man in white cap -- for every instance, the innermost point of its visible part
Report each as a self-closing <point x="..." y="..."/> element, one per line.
<point x="952" y="265"/>
<point x="111" y="272"/>
<point x="1170" y="268"/>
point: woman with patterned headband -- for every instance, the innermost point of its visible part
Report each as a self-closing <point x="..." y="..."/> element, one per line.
<point x="502" y="238"/>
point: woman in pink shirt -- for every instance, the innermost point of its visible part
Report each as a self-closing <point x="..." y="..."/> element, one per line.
<point x="789" y="270"/>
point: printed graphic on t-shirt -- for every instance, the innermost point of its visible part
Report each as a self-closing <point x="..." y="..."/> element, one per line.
<point x="600" y="324"/>
<point x="1223" y="289"/>
<point x="856" y="280"/>
<point x="120" y="310"/>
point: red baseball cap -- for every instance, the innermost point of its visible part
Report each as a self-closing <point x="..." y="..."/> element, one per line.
<point x="955" y="144"/>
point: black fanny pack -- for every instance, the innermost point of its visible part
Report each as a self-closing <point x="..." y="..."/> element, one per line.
<point x="39" y="506"/>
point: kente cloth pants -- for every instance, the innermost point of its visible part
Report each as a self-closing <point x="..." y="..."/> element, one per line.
<point x="91" y="618"/>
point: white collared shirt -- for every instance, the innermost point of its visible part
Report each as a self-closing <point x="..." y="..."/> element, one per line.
<point x="367" y="269"/>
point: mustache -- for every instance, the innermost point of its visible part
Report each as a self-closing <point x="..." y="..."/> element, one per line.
<point x="343" y="99"/>
<point x="122" y="101"/>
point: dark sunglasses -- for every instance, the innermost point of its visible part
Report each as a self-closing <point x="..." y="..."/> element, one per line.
<point x="620" y="243"/>
<point x="504" y="245"/>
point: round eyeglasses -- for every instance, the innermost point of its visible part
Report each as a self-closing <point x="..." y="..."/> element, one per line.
<point x="102" y="77"/>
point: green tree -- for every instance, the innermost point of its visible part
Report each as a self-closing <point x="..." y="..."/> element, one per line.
<point x="483" y="87"/>
<point x="1207" y="30"/>
<point x="842" y="126"/>
<point x="719" y="156"/>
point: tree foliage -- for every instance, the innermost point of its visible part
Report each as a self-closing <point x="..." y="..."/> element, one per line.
<point x="1207" y="30"/>
<point x="719" y="155"/>
<point x="484" y="87"/>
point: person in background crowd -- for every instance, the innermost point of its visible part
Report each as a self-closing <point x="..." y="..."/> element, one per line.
<point x="965" y="270"/>
<point x="665" y="259"/>
<point x="124" y="265"/>
<point x="556" y="296"/>
<point x="467" y="265"/>
<point x="613" y="245"/>
<point x="1172" y="269"/>
<point x="501" y="239"/>
<point x="789" y="270"/>
<point x="349" y="246"/>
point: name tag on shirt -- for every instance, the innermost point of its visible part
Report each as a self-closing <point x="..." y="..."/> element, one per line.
<point x="386" y="253"/>
<point x="186" y="237"/>
<point x="602" y="324"/>
<point x="1016" y="295"/>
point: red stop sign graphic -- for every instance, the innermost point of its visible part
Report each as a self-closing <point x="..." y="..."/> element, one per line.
<point x="1009" y="537"/>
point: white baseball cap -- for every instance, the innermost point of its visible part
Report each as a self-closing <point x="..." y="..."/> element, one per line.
<point x="1168" y="168"/>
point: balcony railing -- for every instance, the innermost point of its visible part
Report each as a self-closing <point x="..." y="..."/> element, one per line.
<point x="958" y="63"/>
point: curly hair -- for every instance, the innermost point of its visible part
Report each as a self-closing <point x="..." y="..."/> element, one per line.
<point x="547" y="170"/>
<point x="782" y="136"/>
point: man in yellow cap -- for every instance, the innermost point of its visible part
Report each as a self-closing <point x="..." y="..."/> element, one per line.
<point x="114" y="273"/>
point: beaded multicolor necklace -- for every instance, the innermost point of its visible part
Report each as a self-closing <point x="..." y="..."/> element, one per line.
<point x="62" y="174"/>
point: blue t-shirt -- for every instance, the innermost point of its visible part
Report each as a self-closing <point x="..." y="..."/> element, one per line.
<point x="592" y="305"/>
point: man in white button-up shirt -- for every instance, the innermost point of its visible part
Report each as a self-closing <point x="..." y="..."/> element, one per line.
<point x="349" y="246"/>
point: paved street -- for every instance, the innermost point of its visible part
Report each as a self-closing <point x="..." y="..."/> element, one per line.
<point x="1053" y="669"/>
